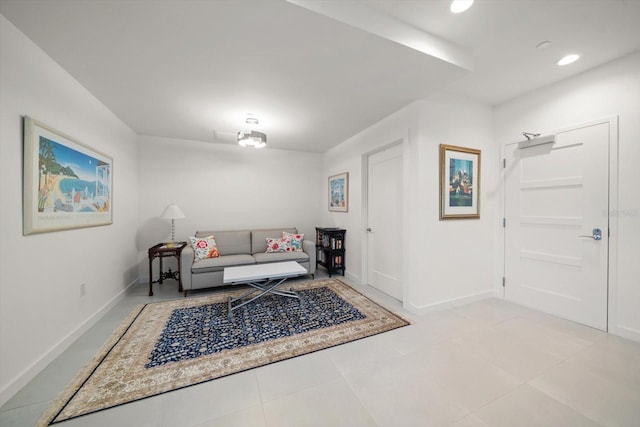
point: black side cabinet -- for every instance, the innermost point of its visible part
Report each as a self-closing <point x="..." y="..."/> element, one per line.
<point x="330" y="250"/>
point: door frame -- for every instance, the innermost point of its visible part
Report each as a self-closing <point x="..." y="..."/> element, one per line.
<point x="612" y="262"/>
<point x="364" y="244"/>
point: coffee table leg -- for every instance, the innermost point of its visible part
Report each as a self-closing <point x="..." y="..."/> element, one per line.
<point x="266" y="287"/>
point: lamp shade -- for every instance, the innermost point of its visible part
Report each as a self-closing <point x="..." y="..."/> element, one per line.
<point x="172" y="212"/>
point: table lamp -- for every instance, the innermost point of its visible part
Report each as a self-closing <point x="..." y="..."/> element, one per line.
<point x="172" y="212"/>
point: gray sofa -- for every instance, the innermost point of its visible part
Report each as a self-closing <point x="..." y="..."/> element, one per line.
<point x="239" y="247"/>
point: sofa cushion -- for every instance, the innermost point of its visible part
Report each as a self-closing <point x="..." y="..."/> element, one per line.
<point x="204" y="247"/>
<point x="278" y="245"/>
<point x="259" y="238"/>
<point x="263" y="258"/>
<point x="295" y="240"/>
<point x="230" y="242"/>
<point x="218" y="264"/>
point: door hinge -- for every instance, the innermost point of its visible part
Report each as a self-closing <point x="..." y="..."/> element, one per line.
<point x="504" y="222"/>
<point x="504" y="163"/>
<point x="504" y="281"/>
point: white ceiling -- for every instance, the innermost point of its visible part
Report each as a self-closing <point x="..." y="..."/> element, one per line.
<point x="315" y="72"/>
<point x="503" y="35"/>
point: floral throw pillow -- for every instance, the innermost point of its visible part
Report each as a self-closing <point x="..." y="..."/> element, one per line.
<point x="204" y="247"/>
<point x="295" y="240"/>
<point x="278" y="245"/>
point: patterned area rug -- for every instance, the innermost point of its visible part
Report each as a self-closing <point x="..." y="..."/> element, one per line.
<point x="170" y="345"/>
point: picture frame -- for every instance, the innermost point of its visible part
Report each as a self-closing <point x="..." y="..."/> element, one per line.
<point x="339" y="192"/>
<point x="66" y="184"/>
<point x="459" y="182"/>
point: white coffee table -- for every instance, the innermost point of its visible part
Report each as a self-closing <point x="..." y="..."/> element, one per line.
<point x="264" y="278"/>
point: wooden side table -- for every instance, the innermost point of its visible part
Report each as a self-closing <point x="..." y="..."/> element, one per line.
<point x="162" y="250"/>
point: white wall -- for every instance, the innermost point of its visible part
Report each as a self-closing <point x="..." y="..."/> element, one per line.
<point x="223" y="187"/>
<point x="348" y="157"/>
<point x="610" y="90"/>
<point x="453" y="261"/>
<point x="445" y="261"/>
<point x="41" y="310"/>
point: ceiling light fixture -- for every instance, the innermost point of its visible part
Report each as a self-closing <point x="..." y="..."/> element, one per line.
<point x="568" y="59"/>
<point x="458" y="6"/>
<point x="252" y="137"/>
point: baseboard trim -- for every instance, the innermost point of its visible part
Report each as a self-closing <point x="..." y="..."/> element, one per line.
<point x="454" y="302"/>
<point x="351" y="277"/>
<point x="29" y="373"/>
<point x="627" y="332"/>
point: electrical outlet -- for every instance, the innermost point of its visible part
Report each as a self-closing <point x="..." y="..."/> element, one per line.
<point x="83" y="289"/>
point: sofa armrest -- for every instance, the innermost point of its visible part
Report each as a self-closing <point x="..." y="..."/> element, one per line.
<point x="309" y="247"/>
<point x="186" y="262"/>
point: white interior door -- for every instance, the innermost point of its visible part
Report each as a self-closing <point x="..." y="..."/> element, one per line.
<point x="384" y="212"/>
<point x="556" y="196"/>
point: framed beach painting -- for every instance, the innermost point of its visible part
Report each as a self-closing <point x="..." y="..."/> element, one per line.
<point x="459" y="182"/>
<point x="66" y="183"/>
<point x="339" y="192"/>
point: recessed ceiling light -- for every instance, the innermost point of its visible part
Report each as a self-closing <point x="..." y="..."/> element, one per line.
<point x="543" y="45"/>
<point x="458" y="6"/>
<point x="569" y="59"/>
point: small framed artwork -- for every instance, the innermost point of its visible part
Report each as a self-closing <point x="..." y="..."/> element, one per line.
<point x="66" y="184"/>
<point x="339" y="192"/>
<point x="459" y="182"/>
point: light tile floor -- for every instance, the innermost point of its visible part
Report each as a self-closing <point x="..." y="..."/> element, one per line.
<point x="488" y="363"/>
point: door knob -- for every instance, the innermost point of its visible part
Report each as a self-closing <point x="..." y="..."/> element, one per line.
<point x="596" y="234"/>
<point x="368" y="230"/>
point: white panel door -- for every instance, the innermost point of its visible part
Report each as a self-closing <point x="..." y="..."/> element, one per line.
<point x="384" y="262"/>
<point x="555" y="195"/>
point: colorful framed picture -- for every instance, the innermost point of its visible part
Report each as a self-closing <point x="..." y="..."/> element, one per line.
<point x="459" y="182"/>
<point x="339" y="192"/>
<point x="66" y="183"/>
